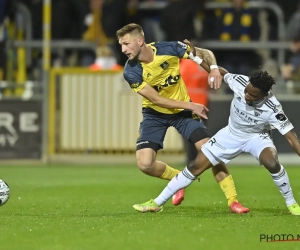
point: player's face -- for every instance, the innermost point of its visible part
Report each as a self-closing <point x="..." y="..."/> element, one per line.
<point x="253" y="96"/>
<point x="131" y="45"/>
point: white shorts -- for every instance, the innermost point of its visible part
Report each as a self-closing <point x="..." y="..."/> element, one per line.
<point x="224" y="146"/>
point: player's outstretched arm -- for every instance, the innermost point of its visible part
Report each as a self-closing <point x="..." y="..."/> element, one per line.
<point x="205" y="66"/>
<point x="151" y="94"/>
<point x="293" y="140"/>
<point x="214" y="78"/>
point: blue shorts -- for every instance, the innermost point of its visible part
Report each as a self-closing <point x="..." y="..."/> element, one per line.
<point x="154" y="126"/>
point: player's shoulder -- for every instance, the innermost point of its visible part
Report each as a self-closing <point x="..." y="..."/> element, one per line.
<point x="168" y="48"/>
<point x="239" y="79"/>
<point x="132" y="66"/>
<point x="133" y="71"/>
<point x="272" y="104"/>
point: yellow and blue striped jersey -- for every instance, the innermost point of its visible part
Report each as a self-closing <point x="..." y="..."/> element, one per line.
<point x="163" y="74"/>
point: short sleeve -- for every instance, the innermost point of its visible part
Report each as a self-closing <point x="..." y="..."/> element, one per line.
<point x="236" y="82"/>
<point x="175" y="48"/>
<point x="133" y="75"/>
<point x="183" y="50"/>
<point x="280" y="121"/>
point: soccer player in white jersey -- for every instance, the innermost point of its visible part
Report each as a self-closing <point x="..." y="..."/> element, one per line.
<point x="254" y="110"/>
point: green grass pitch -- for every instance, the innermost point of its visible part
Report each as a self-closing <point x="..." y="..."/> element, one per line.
<point x="90" y="207"/>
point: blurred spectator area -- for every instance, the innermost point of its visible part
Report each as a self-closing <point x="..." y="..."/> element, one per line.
<point x="161" y="20"/>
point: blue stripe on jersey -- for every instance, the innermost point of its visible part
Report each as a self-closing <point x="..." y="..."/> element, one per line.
<point x="170" y="49"/>
<point x="133" y="72"/>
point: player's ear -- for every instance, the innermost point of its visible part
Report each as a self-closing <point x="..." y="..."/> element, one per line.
<point x="141" y="41"/>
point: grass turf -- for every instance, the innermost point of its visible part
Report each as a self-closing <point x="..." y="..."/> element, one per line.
<point x="86" y="208"/>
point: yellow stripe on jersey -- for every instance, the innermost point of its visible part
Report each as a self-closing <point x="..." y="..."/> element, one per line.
<point x="163" y="74"/>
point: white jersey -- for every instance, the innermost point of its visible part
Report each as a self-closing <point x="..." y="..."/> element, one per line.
<point x="245" y="120"/>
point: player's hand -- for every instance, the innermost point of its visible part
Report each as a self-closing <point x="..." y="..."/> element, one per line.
<point x="215" y="78"/>
<point x="193" y="50"/>
<point x="199" y="109"/>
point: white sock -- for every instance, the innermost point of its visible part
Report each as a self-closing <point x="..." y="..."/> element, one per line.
<point x="181" y="180"/>
<point x="282" y="181"/>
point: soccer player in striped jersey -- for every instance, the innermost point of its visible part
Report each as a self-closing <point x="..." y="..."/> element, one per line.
<point x="254" y="112"/>
<point x="153" y="72"/>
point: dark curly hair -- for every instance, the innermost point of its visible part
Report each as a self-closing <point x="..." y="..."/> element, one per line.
<point x="262" y="80"/>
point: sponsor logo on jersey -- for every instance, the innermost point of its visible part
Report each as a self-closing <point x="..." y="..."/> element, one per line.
<point x="171" y="80"/>
<point x="243" y="116"/>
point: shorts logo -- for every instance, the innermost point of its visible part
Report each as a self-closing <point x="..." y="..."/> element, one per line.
<point x="281" y="117"/>
<point x="142" y="142"/>
<point x="164" y="65"/>
<point x="213" y="141"/>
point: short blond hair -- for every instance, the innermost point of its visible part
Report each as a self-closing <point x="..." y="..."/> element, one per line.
<point x="131" y="28"/>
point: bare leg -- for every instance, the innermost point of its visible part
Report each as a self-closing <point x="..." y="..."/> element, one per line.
<point x="224" y="179"/>
<point x="147" y="163"/>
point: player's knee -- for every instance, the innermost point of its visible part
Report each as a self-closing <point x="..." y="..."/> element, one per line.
<point x="273" y="166"/>
<point x="146" y="155"/>
<point x="145" y="166"/>
<point x="200" y="143"/>
<point x="145" y="163"/>
<point x="269" y="159"/>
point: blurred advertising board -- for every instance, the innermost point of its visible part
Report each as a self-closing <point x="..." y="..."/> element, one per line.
<point x="20" y="129"/>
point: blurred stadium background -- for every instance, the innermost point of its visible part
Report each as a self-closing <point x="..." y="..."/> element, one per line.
<point x="62" y="100"/>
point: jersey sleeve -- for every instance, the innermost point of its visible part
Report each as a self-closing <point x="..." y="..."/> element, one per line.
<point x="133" y="76"/>
<point x="236" y="82"/>
<point x="183" y="50"/>
<point x="280" y="121"/>
<point x="175" y="48"/>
